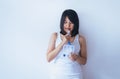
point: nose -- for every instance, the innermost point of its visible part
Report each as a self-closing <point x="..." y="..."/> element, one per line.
<point x="68" y="24"/>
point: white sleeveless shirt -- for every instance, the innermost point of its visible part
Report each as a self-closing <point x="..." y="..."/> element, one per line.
<point x="62" y="64"/>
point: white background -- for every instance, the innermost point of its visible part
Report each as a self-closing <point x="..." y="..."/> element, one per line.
<point x="26" y="26"/>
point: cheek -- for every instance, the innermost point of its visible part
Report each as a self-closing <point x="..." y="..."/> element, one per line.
<point x="65" y="25"/>
<point x="72" y="27"/>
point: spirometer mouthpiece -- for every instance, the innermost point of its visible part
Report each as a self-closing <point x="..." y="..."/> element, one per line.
<point x="68" y="32"/>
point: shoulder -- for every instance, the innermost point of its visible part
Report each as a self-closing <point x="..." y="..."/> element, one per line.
<point x="82" y="39"/>
<point x="54" y="35"/>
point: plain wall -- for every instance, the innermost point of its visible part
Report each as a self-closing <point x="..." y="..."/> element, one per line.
<point x="26" y="26"/>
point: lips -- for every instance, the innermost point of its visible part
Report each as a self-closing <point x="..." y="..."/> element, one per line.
<point x="68" y="29"/>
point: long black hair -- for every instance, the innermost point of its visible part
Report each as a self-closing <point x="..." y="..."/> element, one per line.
<point x="73" y="17"/>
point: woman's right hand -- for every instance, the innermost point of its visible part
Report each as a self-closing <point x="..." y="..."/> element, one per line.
<point x="65" y="38"/>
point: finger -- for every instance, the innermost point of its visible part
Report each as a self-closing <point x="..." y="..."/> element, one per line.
<point x="74" y="56"/>
<point x="71" y="57"/>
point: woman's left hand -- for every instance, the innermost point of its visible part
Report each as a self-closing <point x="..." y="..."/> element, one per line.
<point x="73" y="56"/>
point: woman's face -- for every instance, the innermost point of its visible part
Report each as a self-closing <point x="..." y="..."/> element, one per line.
<point x="68" y="25"/>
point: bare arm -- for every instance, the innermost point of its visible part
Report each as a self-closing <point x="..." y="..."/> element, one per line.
<point x="82" y="58"/>
<point x="52" y="52"/>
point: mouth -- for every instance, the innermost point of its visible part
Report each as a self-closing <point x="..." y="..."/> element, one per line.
<point x="67" y="29"/>
<point x="68" y="32"/>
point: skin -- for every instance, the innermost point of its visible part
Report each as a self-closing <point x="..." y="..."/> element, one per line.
<point x="53" y="51"/>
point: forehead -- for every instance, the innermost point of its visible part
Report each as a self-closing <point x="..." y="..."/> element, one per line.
<point x="67" y="19"/>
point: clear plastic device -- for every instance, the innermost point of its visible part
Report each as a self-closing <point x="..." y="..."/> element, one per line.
<point x="68" y="48"/>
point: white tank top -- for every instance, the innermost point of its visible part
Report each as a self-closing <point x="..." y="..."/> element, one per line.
<point x="75" y="42"/>
<point x="62" y="63"/>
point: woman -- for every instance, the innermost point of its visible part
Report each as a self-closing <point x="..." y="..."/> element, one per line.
<point x="67" y="49"/>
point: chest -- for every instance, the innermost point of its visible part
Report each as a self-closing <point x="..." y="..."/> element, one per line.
<point x="74" y="47"/>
